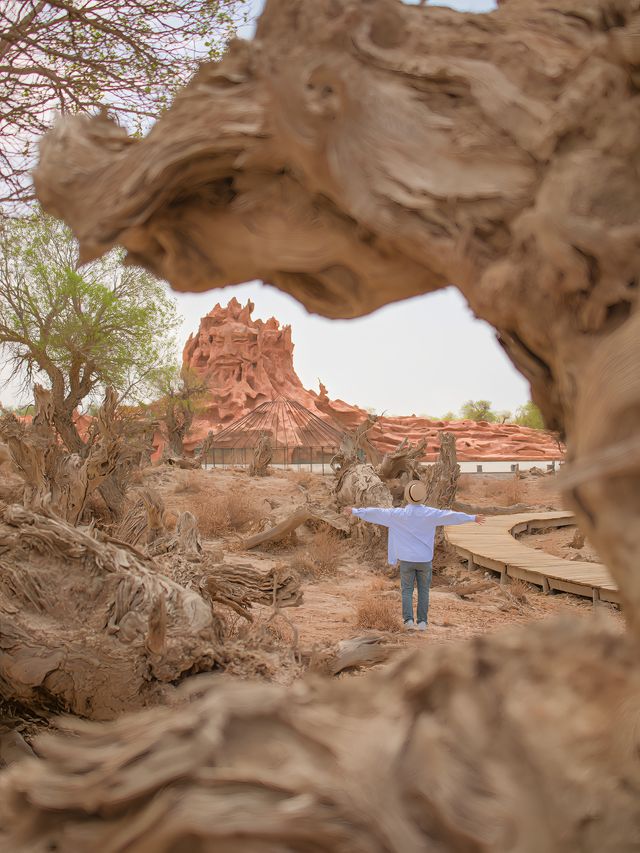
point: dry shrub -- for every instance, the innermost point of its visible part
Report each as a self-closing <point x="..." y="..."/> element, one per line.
<point x="515" y="594"/>
<point x="378" y="612"/>
<point x="505" y="492"/>
<point x="519" y="589"/>
<point x="302" y="478"/>
<point x="187" y="485"/>
<point x="223" y="513"/>
<point x="321" y="558"/>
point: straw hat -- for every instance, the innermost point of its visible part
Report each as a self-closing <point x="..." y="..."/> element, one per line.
<point x="415" y="492"/>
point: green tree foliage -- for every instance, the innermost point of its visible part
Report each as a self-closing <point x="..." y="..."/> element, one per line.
<point x="478" y="410"/>
<point x="78" y="330"/>
<point x="180" y="393"/>
<point x="67" y="56"/>
<point x="529" y="415"/>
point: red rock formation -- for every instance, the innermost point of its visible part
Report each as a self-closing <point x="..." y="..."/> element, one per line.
<point x="247" y="362"/>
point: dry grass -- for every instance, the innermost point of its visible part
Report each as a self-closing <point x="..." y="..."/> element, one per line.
<point x="219" y="514"/>
<point x="378" y="612"/>
<point x="505" y="492"/>
<point x="188" y="484"/>
<point x="519" y="590"/>
<point x="302" y="478"/>
<point x="321" y="558"/>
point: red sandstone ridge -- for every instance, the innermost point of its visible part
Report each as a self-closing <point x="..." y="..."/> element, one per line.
<point x="246" y="362"/>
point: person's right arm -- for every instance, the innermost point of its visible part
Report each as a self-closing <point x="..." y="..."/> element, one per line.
<point x="373" y="514"/>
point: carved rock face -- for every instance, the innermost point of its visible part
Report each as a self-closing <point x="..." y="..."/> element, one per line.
<point x="244" y="361"/>
<point x="247" y="362"/>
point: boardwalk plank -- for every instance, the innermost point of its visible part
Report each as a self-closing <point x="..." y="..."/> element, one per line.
<point x="494" y="546"/>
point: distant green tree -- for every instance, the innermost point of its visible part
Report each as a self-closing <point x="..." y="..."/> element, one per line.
<point x="478" y="410"/>
<point x="181" y="393"/>
<point x="529" y="415"/>
<point x="78" y="331"/>
<point x="449" y="416"/>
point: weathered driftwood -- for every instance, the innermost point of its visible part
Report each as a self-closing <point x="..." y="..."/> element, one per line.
<point x="89" y="626"/>
<point x="441" y="478"/>
<point x="471" y="587"/>
<point x="361" y="486"/>
<point x="287" y="526"/>
<point x="187" y="463"/>
<point x="460" y="748"/>
<point x="353" y="654"/>
<point x="262" y="455"/>
<point x="355" y="447"/>
<point x="353" y="155"/>
<point x="240" y="586"/>
<point x="13" y="747"/>
<point x="144" y="519"/>
<point x="55" y="478"/>
<point x="403" y="463"/>
<point x="185" y="541"/>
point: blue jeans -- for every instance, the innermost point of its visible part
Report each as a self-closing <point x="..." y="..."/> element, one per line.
<point x="410" y="574"/>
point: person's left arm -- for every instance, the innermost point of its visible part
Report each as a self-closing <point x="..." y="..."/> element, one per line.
<point x="448" y="517"/>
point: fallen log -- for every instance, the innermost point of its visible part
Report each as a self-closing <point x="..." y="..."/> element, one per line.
<point x="287" y="526"/>
<point x="352" y="654"/>
<point x="241" y="586"/>
<point x="465" y="589"/>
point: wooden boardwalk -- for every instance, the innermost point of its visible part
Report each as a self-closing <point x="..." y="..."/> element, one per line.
<point x="493" y="546"/>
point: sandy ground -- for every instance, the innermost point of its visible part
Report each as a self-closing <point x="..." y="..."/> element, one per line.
<point x="329" y="611"/>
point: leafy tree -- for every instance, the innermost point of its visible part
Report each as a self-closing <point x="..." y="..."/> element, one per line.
<point x="504" y="416"/>
<point x="78" y="331"/>
<point x="130" y="55"/>
<point x="478" y="410"/>
<point x="529" y="415"/>
<point x="448" y="416"/>
<point x="182" y="392"/>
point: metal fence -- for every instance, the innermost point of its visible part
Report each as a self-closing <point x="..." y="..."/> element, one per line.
<point x="315" y="459"/>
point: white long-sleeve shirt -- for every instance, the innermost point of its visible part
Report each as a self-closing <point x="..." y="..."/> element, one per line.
<point x="412" y="528"/>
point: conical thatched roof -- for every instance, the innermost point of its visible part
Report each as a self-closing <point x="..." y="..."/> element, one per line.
<point x="287" y="423"/>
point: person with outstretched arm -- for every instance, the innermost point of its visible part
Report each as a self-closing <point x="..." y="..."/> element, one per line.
<point x="412" y="530"/>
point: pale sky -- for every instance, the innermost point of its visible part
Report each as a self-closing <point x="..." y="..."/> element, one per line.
<point x="425" y="355"/>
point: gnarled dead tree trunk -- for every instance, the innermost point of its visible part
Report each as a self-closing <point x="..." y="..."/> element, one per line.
<point x="461" y="748"/>
<point x="403" y="462"/>
<point x="89" y="626"/>
<point x="356" y="154"/>
<point x="401" y="465"/>
<point x="54" y="478"/>
<point x="262" y="455"/>
<point x="441" y="478"/>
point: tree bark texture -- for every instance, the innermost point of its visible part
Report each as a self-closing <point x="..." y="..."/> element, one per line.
<point x="92" y="627"/>
<point x="262" y="455"/>
<point x="460" y="748"/>
<point x="358" y="153"/>
<point x="403" y="463"/>
<point x="441" y="478"/>
<point x="54" y="478"/>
